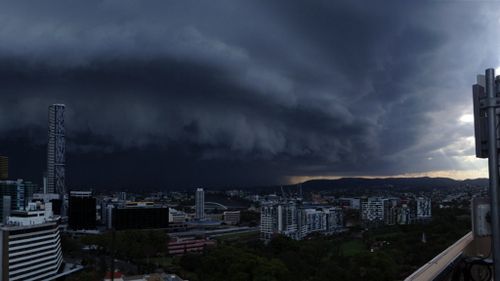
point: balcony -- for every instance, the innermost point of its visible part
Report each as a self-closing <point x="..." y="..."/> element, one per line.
<point x="467" y="259"/>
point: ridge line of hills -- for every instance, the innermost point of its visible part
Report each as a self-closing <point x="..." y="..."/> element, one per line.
<point x="417" y="182"/>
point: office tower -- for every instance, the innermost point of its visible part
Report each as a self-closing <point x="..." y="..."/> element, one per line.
<point x="56" y="150"/>
<point x="30" y="188"/>
<point x="6" y="200"/>
<point x="4" y="167"/>
<point x="31" y="245"/>
<point x="16" y="191"/>
<point x="122" y="196"/>
<point x="82" y="210"/>
<point x="200" y="203"/>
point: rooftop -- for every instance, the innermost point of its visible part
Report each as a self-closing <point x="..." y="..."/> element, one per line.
<point x="457" y="262"/>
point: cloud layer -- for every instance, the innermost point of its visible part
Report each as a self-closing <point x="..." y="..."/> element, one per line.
<point x="165" y="93"/>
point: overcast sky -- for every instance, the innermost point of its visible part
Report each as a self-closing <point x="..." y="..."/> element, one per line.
<point x="203" y="93"/>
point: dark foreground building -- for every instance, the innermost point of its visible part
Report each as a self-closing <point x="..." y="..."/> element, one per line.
<point x="82" y="210"/>
<point x="139" y="216"/>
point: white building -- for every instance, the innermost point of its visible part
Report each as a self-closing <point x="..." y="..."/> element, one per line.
<point x="292" y="220"/>
<point x="268" y="221"/>
<point x="372" y="209"/>
<point x="176" y="216"/>
<point x="200" y="203"/>
<point x="31" y="245"/>
<point x="282" y="218"/>
<point x="315" y="220"/>
<point x="404" y="215"/>
<point x="232" y="217"/>
<point x="424" y="211"/>
<point x="326" y="220"/>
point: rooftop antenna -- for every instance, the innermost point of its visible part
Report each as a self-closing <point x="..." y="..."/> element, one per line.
<point x="486" y="104"/>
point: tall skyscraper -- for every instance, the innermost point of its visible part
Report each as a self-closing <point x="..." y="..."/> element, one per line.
<point x="4" y="167"/>
<point x="56" y="150"/>
<point x="200" y="203"/>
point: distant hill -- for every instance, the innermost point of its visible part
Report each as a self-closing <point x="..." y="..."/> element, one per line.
<point x="396" y="183"/>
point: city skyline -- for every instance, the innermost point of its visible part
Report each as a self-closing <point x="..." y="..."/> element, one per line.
<point x="249" y="140"/>
<point x="174" y="96"/>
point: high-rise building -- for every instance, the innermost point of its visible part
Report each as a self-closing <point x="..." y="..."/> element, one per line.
<point x="372" y="209"/>
<point x="200" y="203"/>
<point x="30" y="189"/>
<point x="390" y="211"/>
<point x="334" y="219"/>
<point x="286" y="218"/>
<point x="4" y="167"/>
<point x="316" y="220"/>
<point x="6" y="201"/>
<point x="31" y="245"/>
<point x="423" y="208"/>
<point x="404" y="214"/>
<point x="16" y="190"/>
<point x="325" y="220"/>
<point x="122" y="196"/>
<point x="82" y="210"/>
<point x="56" y="150"/>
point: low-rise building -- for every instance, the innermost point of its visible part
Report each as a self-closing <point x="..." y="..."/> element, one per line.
<point x="180" y="246"/>
<point x="118" y="276"/>
<point x="232" y="217"/>
<point x="175" y="216"/>
<point x="137" y="215"/>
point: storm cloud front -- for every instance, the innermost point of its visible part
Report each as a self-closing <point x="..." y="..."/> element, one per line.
<point x="194" y="93"/>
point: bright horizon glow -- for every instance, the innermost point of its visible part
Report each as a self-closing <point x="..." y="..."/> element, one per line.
<point x="453" y="174"/>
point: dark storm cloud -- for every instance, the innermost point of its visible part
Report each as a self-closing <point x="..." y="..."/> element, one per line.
<point x="232" y="92"/>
